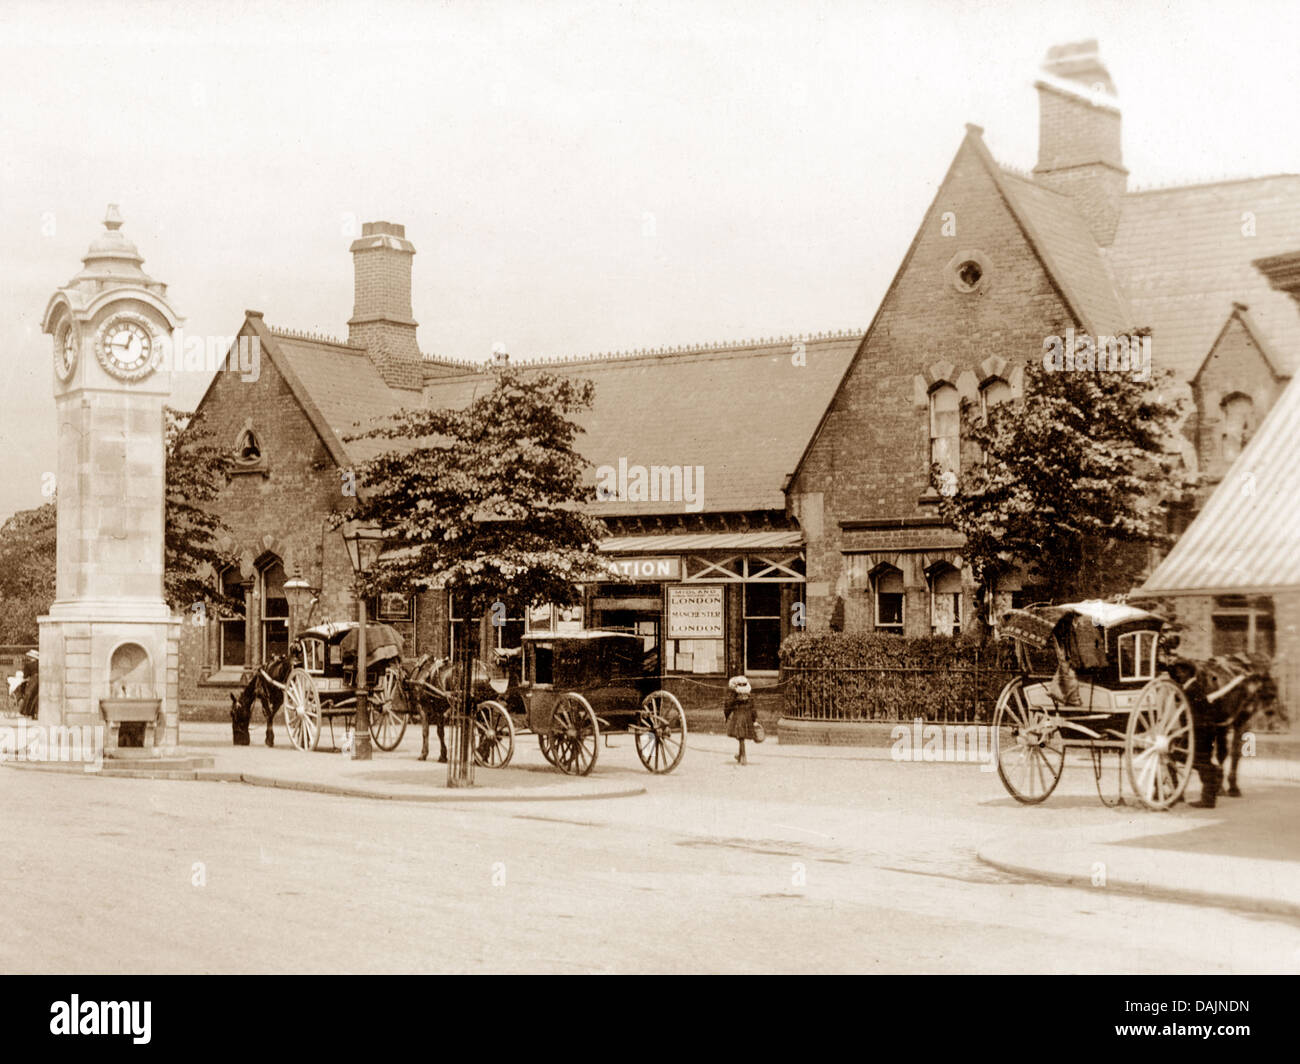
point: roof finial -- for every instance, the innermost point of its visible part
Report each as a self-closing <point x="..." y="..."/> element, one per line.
<point x="113" y="219"/>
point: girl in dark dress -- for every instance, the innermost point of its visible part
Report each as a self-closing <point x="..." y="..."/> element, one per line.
<point x="739" y="711"/>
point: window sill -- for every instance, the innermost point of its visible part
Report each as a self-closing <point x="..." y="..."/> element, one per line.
<point x="223" y="677"/>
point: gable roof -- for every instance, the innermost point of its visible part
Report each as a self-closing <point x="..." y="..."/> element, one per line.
<point x="1247" y="539"/>
<point x="1241" y="313"/>
<point x="1183" y="259"/>
<point x="741" y="413"/>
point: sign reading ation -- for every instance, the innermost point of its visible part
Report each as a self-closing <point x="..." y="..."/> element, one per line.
<point x="695" y="613"/>
<point x="647" y="568"/>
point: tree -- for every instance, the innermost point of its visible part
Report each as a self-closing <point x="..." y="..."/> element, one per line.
<point x="1071" y="483"/>
<point x="27" y="553"/>
<point x="488" y="499"/>
<point x="195" y="476"/>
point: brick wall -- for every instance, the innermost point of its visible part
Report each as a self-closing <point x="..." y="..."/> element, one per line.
<point x="871" y="459"/>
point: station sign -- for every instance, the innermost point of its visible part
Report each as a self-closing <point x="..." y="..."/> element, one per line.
<point x="647" y="568"/>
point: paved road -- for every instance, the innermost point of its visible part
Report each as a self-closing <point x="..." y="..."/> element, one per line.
<point x="807" y="860"/>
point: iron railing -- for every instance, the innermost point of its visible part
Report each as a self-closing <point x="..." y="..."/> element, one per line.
<point x="963" y="694"/>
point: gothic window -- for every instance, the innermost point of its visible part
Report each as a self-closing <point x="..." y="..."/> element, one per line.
<point x="234" y="648"/>
<point x="1238" y="425"/>
<point x="993" y="392"/>
<point x="945" y="429"/>
<point x="887" y="587"/>
<point x="275" y="609"/>
<point x="945" y="601"/>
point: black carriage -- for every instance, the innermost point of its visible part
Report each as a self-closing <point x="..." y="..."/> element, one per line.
<point x="1091" y="679"/>
<point x="572" y="689"/>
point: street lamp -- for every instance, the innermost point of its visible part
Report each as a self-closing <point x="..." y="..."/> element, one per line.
<point x="299" y="593"/>
<point x="364" y="542"/>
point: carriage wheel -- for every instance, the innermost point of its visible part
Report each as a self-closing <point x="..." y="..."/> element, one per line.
<point x="547" y="747"/>
<point x="1027" y="745"/>
<point x="1159" y="744"/>
<point x="661" y="732"/>
<point x="389" y="710"/>
<point x="494" y="735"/>
<point x="302" y="710"/>
<point x="575" y="736"/>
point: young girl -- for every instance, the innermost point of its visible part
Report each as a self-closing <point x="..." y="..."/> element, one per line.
<point x="739" y="711"/>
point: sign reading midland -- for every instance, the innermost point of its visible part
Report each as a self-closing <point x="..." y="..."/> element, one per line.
<point x="695" y="613"/>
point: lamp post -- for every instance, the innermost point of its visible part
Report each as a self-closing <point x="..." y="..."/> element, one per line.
<point x="299" y="592"/>
<point x="364" y="542"/>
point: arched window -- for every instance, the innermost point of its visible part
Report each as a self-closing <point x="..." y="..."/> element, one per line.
<point x="945" y="429"/>
<point x="945" y="600"/>
<point x="993" y="392"/>
<point x="275" y="609"/>
<point x="248" y="449"/>
<point x="887" y="590"/>
<point x="1238" y="424"/>
<point x="234" y="646"/>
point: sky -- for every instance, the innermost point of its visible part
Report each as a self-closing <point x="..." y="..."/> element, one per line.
<point x="576" y="178"/>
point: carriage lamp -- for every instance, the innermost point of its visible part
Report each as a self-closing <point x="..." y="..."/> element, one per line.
<point x="299" y="593"/>
<point x="364" y="543"/>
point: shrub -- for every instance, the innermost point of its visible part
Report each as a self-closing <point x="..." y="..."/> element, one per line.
<point x="874" y="676"/>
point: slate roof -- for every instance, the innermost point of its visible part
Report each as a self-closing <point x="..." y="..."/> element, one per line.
<point x="1182" y="260"/>
<point x="743" y="413"/>
<point x="1247" y="539"/>
<point x="1075" y="261"/>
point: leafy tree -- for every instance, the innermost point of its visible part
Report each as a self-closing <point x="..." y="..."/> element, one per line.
<point x="487" y="499"/>
<point x="1070" y="484"/>
<point x="195" y="477"/>
<point x="27" y="552"/>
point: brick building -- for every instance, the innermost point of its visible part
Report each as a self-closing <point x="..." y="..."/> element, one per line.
<point x="1002" y="261"/>
<point x="814" y="451"/>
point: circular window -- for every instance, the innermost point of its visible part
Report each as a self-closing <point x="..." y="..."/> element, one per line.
<point x="968" y="271"/>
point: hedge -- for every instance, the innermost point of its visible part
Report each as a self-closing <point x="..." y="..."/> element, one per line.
<point x="873" y="676"/>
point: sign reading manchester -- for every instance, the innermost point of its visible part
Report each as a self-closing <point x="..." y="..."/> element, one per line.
<point x="647" y="568"/>
<point x="695" y="613"/>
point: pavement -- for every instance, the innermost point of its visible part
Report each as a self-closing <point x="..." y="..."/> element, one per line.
<point x="1243" y="855"/>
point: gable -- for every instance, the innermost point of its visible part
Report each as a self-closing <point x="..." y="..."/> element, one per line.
<point x="872" y="443"/>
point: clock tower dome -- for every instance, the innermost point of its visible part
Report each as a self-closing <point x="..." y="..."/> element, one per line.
<point x="109" y="646"/>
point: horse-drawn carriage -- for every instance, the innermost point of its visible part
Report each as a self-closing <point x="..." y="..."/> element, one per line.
<point x="1092" y="679"/>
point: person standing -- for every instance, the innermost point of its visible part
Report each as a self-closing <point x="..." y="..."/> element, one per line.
<point x="739" y="713"/>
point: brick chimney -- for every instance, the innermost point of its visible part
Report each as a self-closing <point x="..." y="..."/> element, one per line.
<point x="1079" y="135"/>
<point x="381" y="319"/>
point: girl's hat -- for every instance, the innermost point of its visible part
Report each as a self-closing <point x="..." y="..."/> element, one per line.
<point x="739" y="684"/>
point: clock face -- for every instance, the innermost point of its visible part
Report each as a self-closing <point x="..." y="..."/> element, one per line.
<point x="126" y="347"/>
<point x="66" y="341"/>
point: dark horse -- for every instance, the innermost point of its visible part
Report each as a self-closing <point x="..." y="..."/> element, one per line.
<point x="433" y="682"/>
<point x="267" y="686"/>
<point x="1225" y="693"/>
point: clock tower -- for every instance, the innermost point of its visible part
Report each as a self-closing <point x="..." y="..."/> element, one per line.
<point x="109" y="646"/>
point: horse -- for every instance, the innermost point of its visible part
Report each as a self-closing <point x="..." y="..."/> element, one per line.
<point x="267" y="686"/>
<point x="434" y="682"/>
<point x="1225" y="693"/>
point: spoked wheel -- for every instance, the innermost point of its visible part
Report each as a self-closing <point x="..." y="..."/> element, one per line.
<point x="302" y="710"/>
<point x="389" y="710"/>
<point x="494" y="735"/>
<point x="575" y="736"/>
<point x="660" y="732"/>
<point x="547" y="746"/>
<point x="1028" y="746"/>
<point x="1159" y="744"/>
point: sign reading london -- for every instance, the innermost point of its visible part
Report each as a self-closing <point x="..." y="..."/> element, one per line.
<point x="695" y="613"/>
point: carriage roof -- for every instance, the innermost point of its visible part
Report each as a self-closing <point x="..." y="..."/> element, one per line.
<point x="331" y="632"/>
